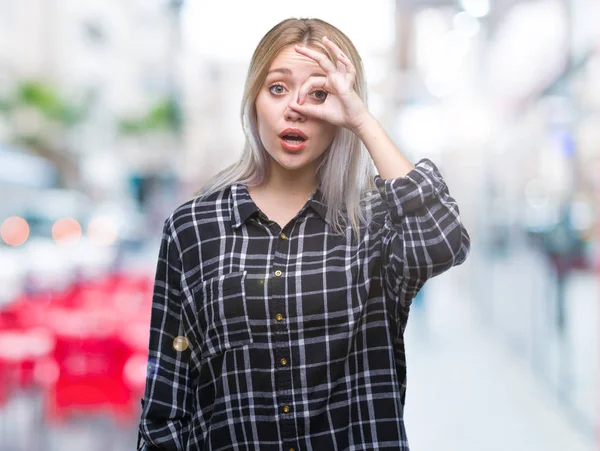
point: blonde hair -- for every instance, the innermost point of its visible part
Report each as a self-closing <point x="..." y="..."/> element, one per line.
<point x="345" y="174"/>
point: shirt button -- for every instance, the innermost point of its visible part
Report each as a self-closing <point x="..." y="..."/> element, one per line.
<point x="180" y="343"/>
<point x="279" y="317"/>
<point x="286" y="409"/>
<point x="278" y="273"/>
<point x="283" y="236"/>
<point x="283" y="361"/>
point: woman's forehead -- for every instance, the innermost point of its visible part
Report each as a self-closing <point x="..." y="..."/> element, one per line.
<point x="289" y="60"/>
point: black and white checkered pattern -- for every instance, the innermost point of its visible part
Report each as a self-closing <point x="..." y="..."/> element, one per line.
<point x="295" y="336"/>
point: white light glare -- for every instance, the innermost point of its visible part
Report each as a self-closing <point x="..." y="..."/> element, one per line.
<point x="476" y="8"/>
<point x="537" y="194"/>
<point x="466" y="24"/>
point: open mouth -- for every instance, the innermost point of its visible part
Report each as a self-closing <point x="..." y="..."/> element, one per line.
<point x="293" y="139"/>
<point x="292" y="143"/>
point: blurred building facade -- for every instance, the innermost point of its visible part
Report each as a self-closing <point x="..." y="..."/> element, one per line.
<point x="115" y="65"/>
<point x="504" y="96"/>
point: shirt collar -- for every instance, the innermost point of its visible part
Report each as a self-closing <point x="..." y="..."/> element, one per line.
<point x="243" y="207"/>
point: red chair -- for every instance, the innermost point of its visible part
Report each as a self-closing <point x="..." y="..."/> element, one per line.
<point x="20" y="352"/>
<point x="91" y="359"/>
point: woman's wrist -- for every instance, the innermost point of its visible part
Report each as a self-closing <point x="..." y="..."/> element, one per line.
<point x="363" y="124"/>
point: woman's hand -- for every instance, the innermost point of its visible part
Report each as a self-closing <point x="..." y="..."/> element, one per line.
<point x="343" y="106"/>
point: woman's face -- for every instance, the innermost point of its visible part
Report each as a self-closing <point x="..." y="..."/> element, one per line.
<point x="293" y="140"/>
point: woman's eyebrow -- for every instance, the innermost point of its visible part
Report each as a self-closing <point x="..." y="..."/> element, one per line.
<point x="286" y="71"/>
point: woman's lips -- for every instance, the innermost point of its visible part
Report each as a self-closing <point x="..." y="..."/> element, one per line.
<point x="292" y="146"/>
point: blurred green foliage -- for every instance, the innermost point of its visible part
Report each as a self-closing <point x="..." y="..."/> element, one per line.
<point x="44" y="98"/>
<point x="59" y="115"/>
<point x="4" y="106"/>
<point x="48" y="102"/>
<point x="162" y="116"/>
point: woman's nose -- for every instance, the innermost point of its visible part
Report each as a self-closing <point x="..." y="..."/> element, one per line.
<point x="293" y="115"/>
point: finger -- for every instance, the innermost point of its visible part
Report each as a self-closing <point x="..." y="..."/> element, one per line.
<point x="341" y="57"/>
<point x="347" y="64"/>
<point x="313" y="111"/>
<point x="310" y="85"/>
<point x="319" y="57"/>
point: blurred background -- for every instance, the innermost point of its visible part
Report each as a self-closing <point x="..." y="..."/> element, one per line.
<point x="113" y="112"/>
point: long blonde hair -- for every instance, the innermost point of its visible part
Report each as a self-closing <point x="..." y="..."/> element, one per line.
<point x="345" y="174"/>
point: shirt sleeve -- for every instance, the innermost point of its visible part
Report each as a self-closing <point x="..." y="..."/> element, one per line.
<point x="168" y="398"/>
<point x="423" y="235"/>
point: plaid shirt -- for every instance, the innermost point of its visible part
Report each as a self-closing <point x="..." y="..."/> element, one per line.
<point x="264" y="338"/>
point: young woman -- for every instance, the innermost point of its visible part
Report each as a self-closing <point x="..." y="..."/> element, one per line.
<point x="283" y="289"/>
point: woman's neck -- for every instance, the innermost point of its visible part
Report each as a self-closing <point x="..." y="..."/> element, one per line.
<point x="291" y="184"/>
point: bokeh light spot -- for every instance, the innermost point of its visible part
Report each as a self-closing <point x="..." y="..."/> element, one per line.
<point x="14" y="231"/>
<point x="152" y="367"/>
<point x="66" y="229"/>
<point x="102" y="231"/>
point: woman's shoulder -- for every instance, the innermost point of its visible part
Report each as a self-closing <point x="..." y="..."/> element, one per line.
<point x="200" y="207"/>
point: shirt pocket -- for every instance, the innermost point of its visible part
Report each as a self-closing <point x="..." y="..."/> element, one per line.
<point x="219" y="315"/>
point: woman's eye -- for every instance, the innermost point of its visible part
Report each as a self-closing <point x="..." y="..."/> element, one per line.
<point x="320" y="94"/>
<point x="276" y="89"/>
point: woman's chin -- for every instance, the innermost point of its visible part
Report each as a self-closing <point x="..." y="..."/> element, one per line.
<point x="293" y="162"/>
<point x="292" y="166"/>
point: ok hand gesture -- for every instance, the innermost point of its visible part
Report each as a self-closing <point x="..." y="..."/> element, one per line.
<point x="343" y="106"/>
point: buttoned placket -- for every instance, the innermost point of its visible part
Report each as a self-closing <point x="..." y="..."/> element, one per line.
<point x="281" y="340"/>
